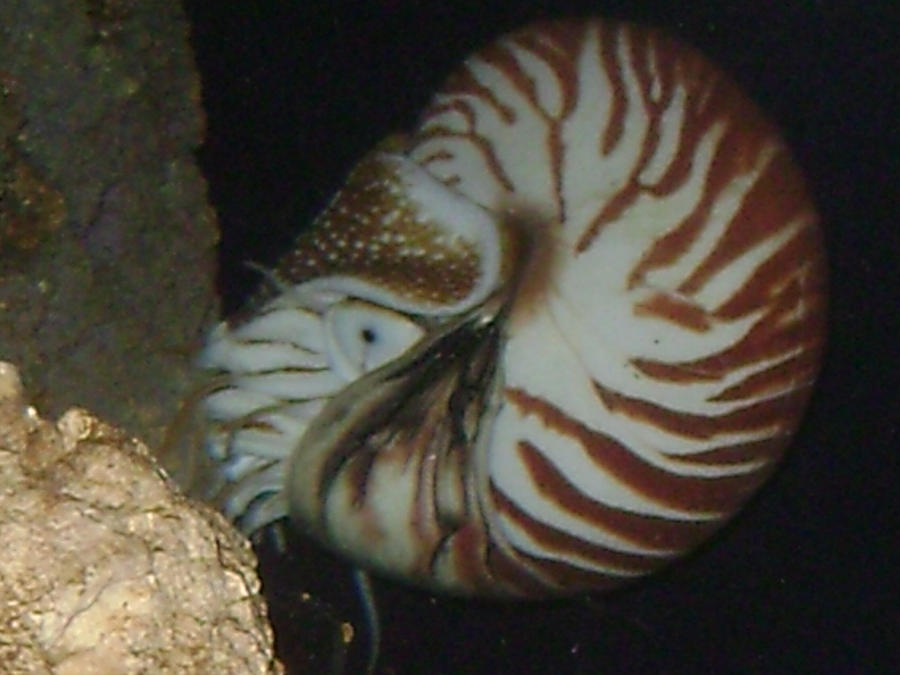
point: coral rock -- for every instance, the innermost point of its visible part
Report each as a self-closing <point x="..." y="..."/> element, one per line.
<point x="106" y="568"/>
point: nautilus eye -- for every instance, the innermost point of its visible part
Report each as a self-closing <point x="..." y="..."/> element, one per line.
<point x="548" y="341"/>
<point x="362" y="337"/>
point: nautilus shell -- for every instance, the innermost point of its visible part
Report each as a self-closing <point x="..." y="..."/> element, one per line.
<point x="547" y="342"/>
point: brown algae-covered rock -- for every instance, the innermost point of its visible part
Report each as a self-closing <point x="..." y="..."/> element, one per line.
<point x="107" y="243"/>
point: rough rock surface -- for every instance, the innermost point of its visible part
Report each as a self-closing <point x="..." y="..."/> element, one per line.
<point x="107" y="244"/>
<point x="105" y="567"/>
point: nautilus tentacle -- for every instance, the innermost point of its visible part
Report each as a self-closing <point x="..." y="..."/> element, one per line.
<point x="549" y="341"/>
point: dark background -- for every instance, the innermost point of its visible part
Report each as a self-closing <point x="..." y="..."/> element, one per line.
<point x="805" y="579"/>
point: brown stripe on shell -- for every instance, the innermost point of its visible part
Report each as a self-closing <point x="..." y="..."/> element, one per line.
<point x="648" y="531"/>
<point x="687" y="493"/>
<point x="609" y="35"/>
<point x="734" y="155"/>
<point x="799" y="256"/>
<point x="765" y="450"/>
<point x="673" y="372"/>
<point x="482" y="567"/>
<point x="769" y="414"/>
<point x="559" y="51"/>
<point x="797" y="371"/>
<point x="569" y="578"/>
<point x="565" y="544"/>
<point x="710" y="99"/>
<point x="775" y="200"/>
<point x="406" y="446"/>
<point x="464" y="81"/>
<point x="356" y="473"/>
<point x="561" y="575"/>
<point x="465" y="551"/>
<point x="482" y="144"/>
<point x="651" y="56"/>
<point x="671" y="245"/>
<point x="674" y="310"/>
<point x="792" y="326"/>
<point x="631" y="188"/>
<point x="507" y="567"/>
<point x="778" y="332"/>
<point x="401" y="455"/>
<point x="558" y="48"/>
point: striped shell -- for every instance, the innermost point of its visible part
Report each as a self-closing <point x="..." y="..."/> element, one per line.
<point x="546" y="343"/>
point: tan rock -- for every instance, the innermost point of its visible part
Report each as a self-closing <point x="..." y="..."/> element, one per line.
<point x="106" y="567"/>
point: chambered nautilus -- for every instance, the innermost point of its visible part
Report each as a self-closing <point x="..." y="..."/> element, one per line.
<point x="545" y="343"/>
